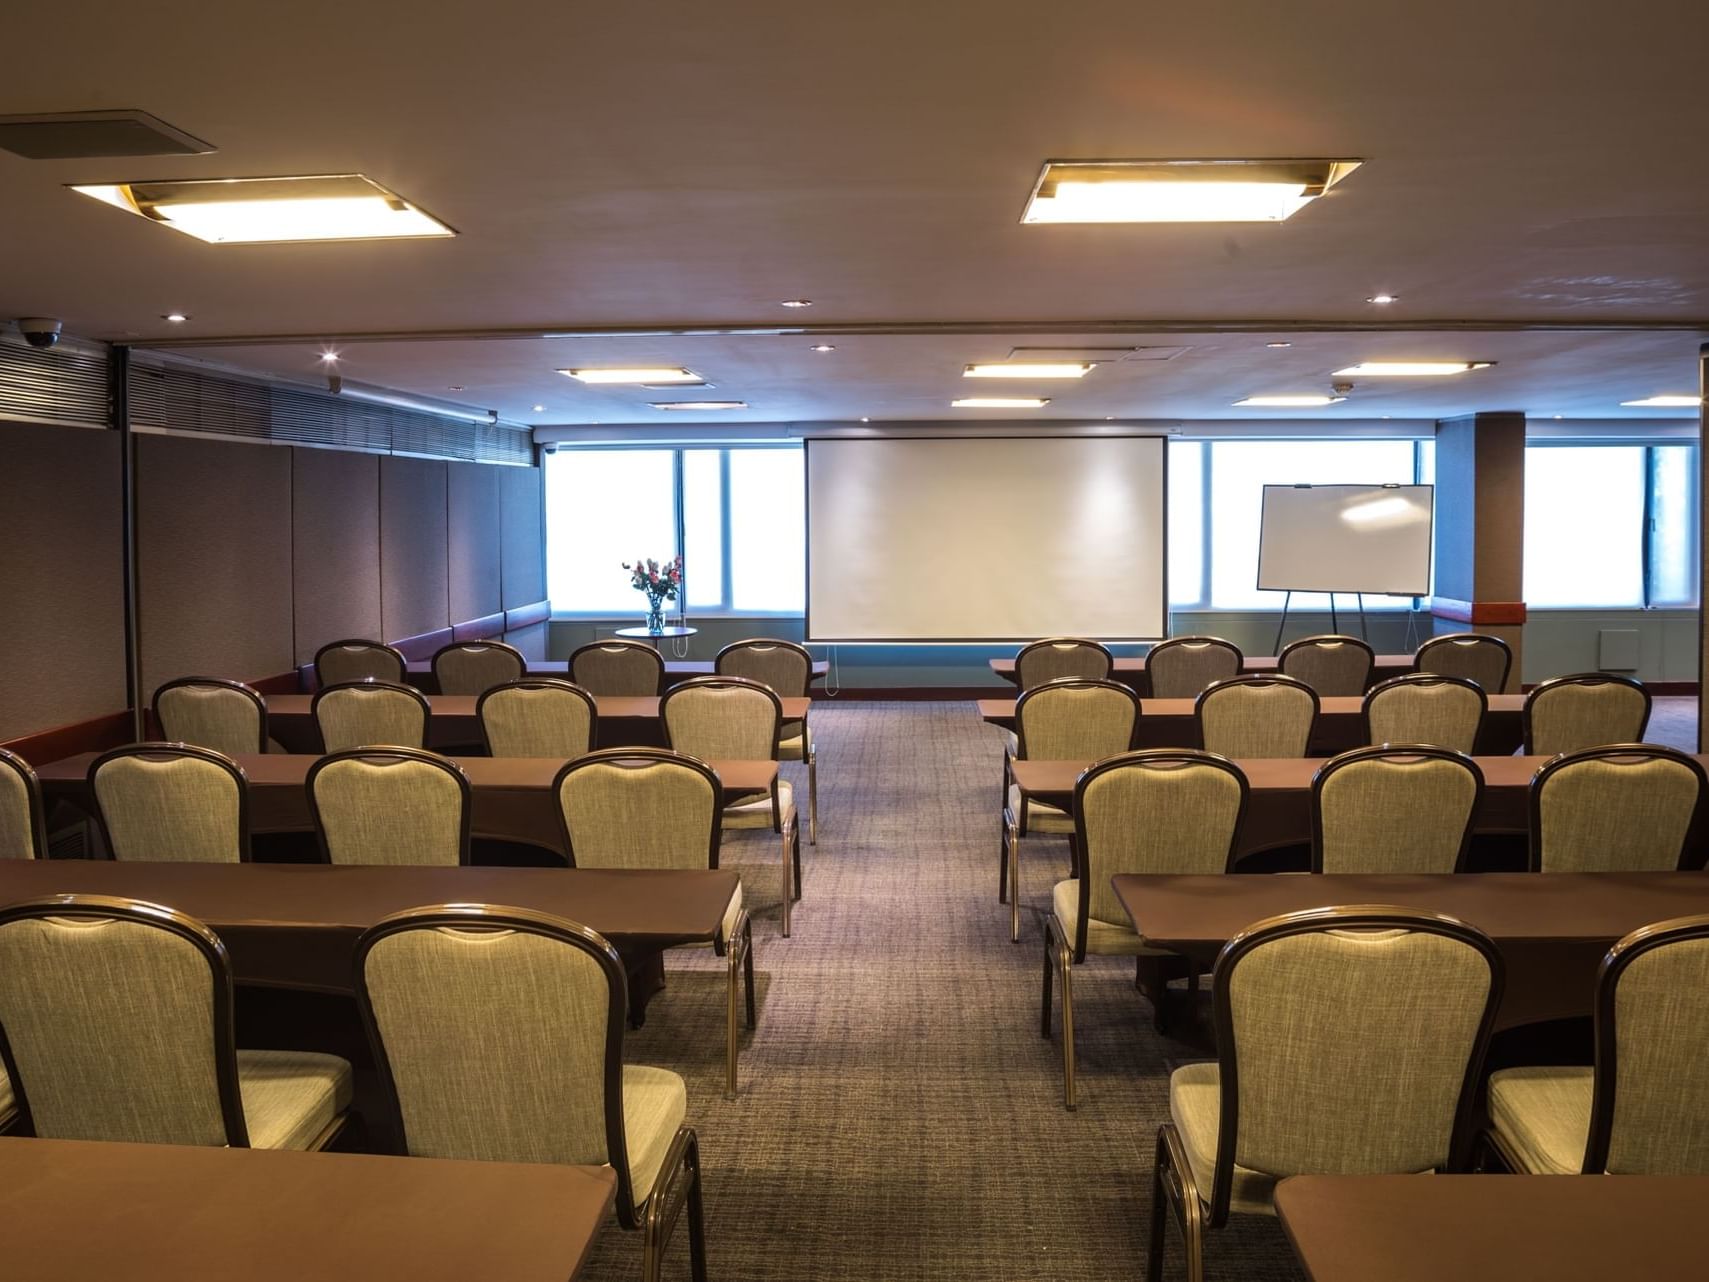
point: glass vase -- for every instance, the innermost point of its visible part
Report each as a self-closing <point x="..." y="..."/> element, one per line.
<point x="655" y="616"/>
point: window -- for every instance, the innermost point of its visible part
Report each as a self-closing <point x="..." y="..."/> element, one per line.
<point x="605" y="507"/>
<point x="1673" y="555"/>
<point x="1186" y="524"/>
<point x="1584" y="526"/>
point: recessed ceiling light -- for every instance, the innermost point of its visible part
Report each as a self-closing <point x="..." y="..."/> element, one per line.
<point x="329" y="355"/>
<point x="177" y="318"/>
<point x="1291" y="402"/>
<point x="1029" y="369"/>
<point x="539" y="409"/>
<point x="796" y="302"/>
<point x="236" y="211"/>
<point x="635" y="374"/>
<point x="1558" y="417"/>
<point x="822" y="347"/>
<point x="455" y="387"/>
<point x="699" y="405"/>
<point x="1666" y="402"/>
<point x="1383" y="300"/>
<point x="864" y="419"/>
<point x="1179" y="191"/>
<point x="1000" y="403"/>
<point x="1411" y="369"/>
<point x="1278" y="344"/>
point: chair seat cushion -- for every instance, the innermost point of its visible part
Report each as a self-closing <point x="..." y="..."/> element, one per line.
<point x="655" y="1100"/>
<point x="1195" y="1106"/>
<point x="756" y="813"/>
<point x="291" y="1097"/>
<point x="1040" y="817"/>
<point x="796" y="741"/>
<point x="1106" y="938"/>
<point x="1542" y="1116"/>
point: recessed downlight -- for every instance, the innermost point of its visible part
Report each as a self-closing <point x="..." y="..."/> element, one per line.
<point x="1029" y="369"/>
<point x="699" y="405"/>
<point x="238" y="211"/>
<point x="1289" y="402"/>
<point x="1665" y="402"/>
<point x="1000" y="403"/>
<point x="1278" y="344"/>
<point x="1383" y="300"/>
<point x="641" y="375"/>
<point x="539" y="409"/>
<point x="822" y="347"/>
<point x="1410" y="369"/>
<point x="329" y="356"/>
<point x="177" y="318"/>
<point x="796" y="302"/>
<point x="1179" y="191"/>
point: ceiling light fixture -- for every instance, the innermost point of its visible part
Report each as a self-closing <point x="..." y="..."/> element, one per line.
<point x="699" y="405"/>
<point x="1179" y="191"/>
<point x="539" y="409"/>
<point x="1278" y="344"/>
<point x="238" y="211"/>
<point x="177" y="318"/>
<point x="796" y="302"/>
<point x="635" y="374"/>
<point x="1383" y="300"/>
<point x="1029" y="369"/>
<point x="1290" y="402"/>
<point x="1410" y="369"/>
<point x="822" y="347"/>
<point x="1000" y="403"/>
<point x="1665" y="402"/>
<point x="329" y="355"/>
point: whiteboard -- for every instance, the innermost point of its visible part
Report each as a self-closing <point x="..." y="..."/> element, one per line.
<point x="1346" y="538"/>
<point x="986" y="539"/>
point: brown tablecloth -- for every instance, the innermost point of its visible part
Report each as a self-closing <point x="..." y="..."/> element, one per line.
<point x="174" y="1213"/>
<point x="1131" y="670"/>
<point x="421" y="670"/>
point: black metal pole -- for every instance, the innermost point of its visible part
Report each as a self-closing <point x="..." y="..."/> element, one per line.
<point x="119" y="368"/>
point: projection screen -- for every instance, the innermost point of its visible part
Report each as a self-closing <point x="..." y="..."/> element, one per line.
<point x="1345" y="538"/>
<point x="986" y="539"/>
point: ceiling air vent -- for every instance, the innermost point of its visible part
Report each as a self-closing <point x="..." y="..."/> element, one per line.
<point x="74" y="135"/>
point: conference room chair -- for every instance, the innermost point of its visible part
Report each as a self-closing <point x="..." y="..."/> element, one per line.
<point x="1156" y="811"/>
<point x="1641" y="1110"/>
<point x="538" y="717"/>
<point x="171" y="803"/>
<point x="119" y="1027"/>
<point x="734" y="719"/>
<point x="363" y="713"/>
<point x="1182" y="666"/>
<point x="341" y="662"/>
<point x="1471" y="656"/>
<point x="1419" y="707"/>
<point x="23" y="831"/>
<point x="653" y="808"/>
<point x="618" y="669"/>
<point x="1621" y="808"/>
<point x="209" y="712"/>
<point x="788" y="669"/>
<point x="1398" y="808"/>
<point x="474" y="667"/>
<point x="500" y="1034"/>
<point x="1349" y="1042"/>
<point x="1069" y="719"/>
<point x="1586" y="710"/>
<point x="398" y="806"/>
<point x="1249" y="717"/>
<point x="1054" y="658"/>
<point x="1334" y="666"/>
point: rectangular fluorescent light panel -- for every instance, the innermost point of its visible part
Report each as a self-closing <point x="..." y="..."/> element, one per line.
<point x="247" y="211"/>
<point x="1290" y="402"/>
<point x="699" y="405"/>
<point x="1411" y="369"/>
<point x="1179" y="191"/>
<point x="635" y="374"/>
<point x="1028" y="369"/>
<point x="1665" y="403"/>
<point x="1000" y="403"/>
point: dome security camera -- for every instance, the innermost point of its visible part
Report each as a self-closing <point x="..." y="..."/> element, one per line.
<point x="39" y="331"/>
<point x="1341" y="388"/>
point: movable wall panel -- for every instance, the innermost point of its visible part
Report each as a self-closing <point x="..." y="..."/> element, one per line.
<point x="335" y="544"/>
<point x="473" y="543"/>
<point x="213" y="559"/>
<point x="62" y="655"/>
<point x="524" y="558"/>
<point x="414" y="574"/>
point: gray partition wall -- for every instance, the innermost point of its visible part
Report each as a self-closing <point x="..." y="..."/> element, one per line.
<point x="414" y="573"/>
<point x="522" y="562"/>
<point x="335" y="546"/>
<point x="472" y="542"/>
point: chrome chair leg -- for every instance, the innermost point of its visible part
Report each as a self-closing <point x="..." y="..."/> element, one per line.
<point x="1014" y="844"/>
<point x="679" y="1188"/>
<point x="738" y="956"/>
<point x="812" y="796"/>
<point x="1065" y="967"/>
<point x="788" y="873"/>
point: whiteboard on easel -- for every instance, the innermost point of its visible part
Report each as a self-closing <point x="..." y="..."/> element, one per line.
<point x="1346" y="538"/>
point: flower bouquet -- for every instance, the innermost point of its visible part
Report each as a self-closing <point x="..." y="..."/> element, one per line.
<point x="661" y="583"/>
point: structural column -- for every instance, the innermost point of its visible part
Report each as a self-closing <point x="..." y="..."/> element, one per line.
<point x="1480" y="529"/>
<point x="1703" y="535"/>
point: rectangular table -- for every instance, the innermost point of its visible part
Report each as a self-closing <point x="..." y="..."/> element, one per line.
<point x="1169" y="723"/>
<point x="1495" y="1228"/>
<point x="1131" y="670"/>
<point x="174" y="1213"/>
<point x="421" y="670"/>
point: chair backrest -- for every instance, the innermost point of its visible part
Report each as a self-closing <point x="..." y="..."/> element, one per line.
<point x="1620" y="808"/>
<point x="1076" y="719"/>
<point x="538" y="717"/>
<point x="363" y="714"/>
<point x="1181" y="667"/>
<point x="1350" y="1042"/>
<point x="23" y="832"/>
<point x="1421" y="708"/>
<point x="1249" y="717"/>
<point x="1649" y="1113"/>
<point x="390" y="806"/>
<point x="474" y="667"/>
<point x="722" y="719"/>
<point x="1471" y="656"/>
<point x="618" y="669"/>
<point x="1161" y="810"/>
<point x="1057" y="657"/>
<point x="117" y="1019"/>
<point x="639" y="808"/>
<point x="1334" y="666"/>
<point x="1399" y="808"/>
<point x="782" y="665"/>
<point x="500" y="1032"/>
<point x="171" y="803"/>
<point x="341" y="662"/>
<point x="1586" y="710"/>
<point x="226" y="716"/>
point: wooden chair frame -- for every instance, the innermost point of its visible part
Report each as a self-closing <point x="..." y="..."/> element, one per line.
<point x="371" y="686"/>
<point x="1252" y="679"/>
<point x="1323" y="641"/>
<point x="810" y="751"/>
<point x="1420" y="679"/>
<point x="397" y="655"/>
<point x="498" y="646"/>
<point x="1466" y="639"/>
<point x="639" y="647"/>
<point x="1190" y="642"/>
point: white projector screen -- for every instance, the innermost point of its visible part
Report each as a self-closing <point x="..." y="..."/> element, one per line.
<point x="1346" y="538"/>
<point x="986" y="539"/>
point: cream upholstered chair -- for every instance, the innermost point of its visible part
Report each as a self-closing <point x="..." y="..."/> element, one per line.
<point x="171" y="803"/>
<point x="364" y="713"/>
<point x="474" y="667"/>
<point x="1158" y="811"/>
<point x="788" y="669"/>
<point x="1421" y="708"/>
<point x="118" y="1027"/>
<point x="652" y="808"/>
<point x="500" y="1033"/>
<point x="23" y="833"/>
<point x="226" y="716"/>
<point x="1069" y="719"/>
<point x="734" y="719"/>
<point x="1642" y="1109"/>
<point x="1471" y="656"/>
<point x="1399" y="808"/>
<point x="1587" y="710"/>
<point x="1349" y="1042"/>
<point x="538" y="717"/>
<point x="1249" y="717"/>
<point x="1622" y="808"/>
<point x="1334" y="666"/>
<point x="618" y="669"/>
<point x="341" y="662"/>
<point x="399" y="806"/>
<point x="1057" y="657"/>
<point x="1181" y="667"/>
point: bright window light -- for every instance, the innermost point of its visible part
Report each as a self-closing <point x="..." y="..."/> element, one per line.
<point x="1584" y="526"/>
<point x="1180" y="191"/>
<point x="635" y="374"/>
<point x="768" y="531"/>
<point x="1000" y="403"/>
<point x="605" y="507"/>
<point x="1411" y="369"/>
<point x="1290" y="402"/>
<point x="1665" y="402"/>
<point x="1020" y="369"/>
<point x="241" y="211"/>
